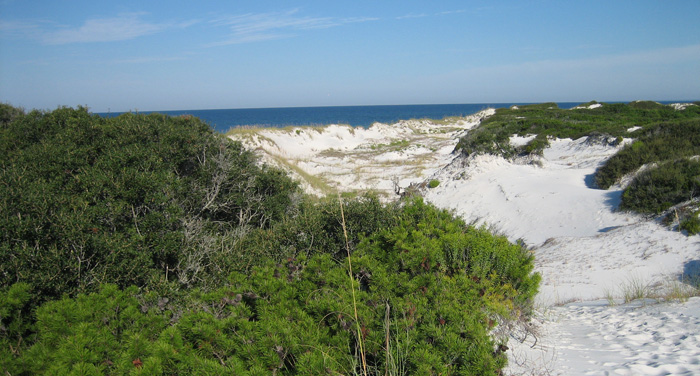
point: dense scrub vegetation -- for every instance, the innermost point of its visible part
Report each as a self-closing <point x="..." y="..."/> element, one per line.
<point x="146" y="244"/>
<point x="666" y="140"/>
<point x="665" y="185"/>
<point x="128" y="200"/>
<point x="548" y="120"/>
<point x="672" y="176"/>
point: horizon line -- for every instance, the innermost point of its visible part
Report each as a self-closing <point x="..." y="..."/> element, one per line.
<point x="665" y="101"/>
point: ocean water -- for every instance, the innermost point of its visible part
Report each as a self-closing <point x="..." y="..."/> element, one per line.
<point x="357" y="116"/>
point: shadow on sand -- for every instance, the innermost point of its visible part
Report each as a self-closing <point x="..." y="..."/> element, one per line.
<point x="590" y="181"/>
<point x="691" y="273"/>
<point x="612" y="198"/>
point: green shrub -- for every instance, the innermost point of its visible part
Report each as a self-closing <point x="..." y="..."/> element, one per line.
<point x="427" y="291"/>
<point x="236" y="272"/>
<point x="9" y="113"/>
<point x="536" y="146"/>
<point x="16" y="326"/>
<point x="547" y="119"/>
<point x="657" y="189"/>
<point x="662" y="142"/>
<point x="315" y="227"/>
<point x="691" y="224"/>
<point x="647" y="105"/>
<point x="136" y="199"/>
<point x="433" y="183"/>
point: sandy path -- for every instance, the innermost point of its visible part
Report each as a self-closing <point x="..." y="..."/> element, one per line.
<point x="593" y="338"/>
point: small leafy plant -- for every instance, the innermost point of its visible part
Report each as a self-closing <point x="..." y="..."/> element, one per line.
<point x="691" y="224"/>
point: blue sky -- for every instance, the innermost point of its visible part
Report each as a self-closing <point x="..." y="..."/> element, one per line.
<point x="169" y="55"/>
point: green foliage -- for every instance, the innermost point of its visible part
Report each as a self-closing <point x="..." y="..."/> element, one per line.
<point x="547" y="120"/>
<point x="394" y="145"/>
<point x="136" y="199"/>
<point x="657" y="189"/>
<point x="666" y="135"/>
<point x="235" y="271"/>
<point x="9" y="113"/>
<point x="482" y="141"/>
<point x="429" y="291"/>
<point x="16" y="325"/>
<point x="662" y="142"/>
<point x="691" y="224"/>
<point x="673" y="180"/>
<point x="647" y="105"/>
<point x="536" y="145"/>
<point x="433" y="183"/>
<point x="314" y="227"/>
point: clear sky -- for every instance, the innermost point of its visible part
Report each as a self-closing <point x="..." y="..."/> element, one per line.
<point x="169" y="54"/>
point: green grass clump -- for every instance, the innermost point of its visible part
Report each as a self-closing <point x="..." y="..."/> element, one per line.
<point x="395" y="145"/>
<point x="433" y="183"/>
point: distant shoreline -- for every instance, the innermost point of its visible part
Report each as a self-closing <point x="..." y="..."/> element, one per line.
<point x="223" y="120"/>
<point x="357" y="116"/>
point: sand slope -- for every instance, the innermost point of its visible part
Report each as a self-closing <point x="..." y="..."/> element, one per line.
<point x="339" y="157"/>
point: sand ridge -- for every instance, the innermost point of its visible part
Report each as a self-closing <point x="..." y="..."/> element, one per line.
<point x="340" y="157"/>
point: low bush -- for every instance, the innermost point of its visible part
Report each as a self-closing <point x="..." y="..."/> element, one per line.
<point x="536" y="146"/>
<point x="315" y="227"/>
<point x="547" y="119"/>
<point x="16" y="325"/>
<point x="136" y="199"/>
<point x="691" y="224"/>
<point x="148" y="244"/>
<point x="433" y="183"/>
<point x="647" y="105"/>
<point x="667" y="136"/>
<point x="8" y="114"/>
<point x="659" y="188"/>
<point x="424" y="295"/>
<point x="662" y="142"/>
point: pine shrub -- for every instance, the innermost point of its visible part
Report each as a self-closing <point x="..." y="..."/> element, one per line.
<point x="136" y="199"/>
<point x="663" y="142"/>
<point x="428" y="291"/>
<point x="657" y="189"/>
<point x="691" y="224"/>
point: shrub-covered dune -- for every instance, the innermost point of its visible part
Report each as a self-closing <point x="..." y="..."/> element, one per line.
<point x="666" y="140"/>
<point x="147" y="244"/>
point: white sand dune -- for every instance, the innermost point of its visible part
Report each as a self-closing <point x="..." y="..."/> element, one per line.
<point x="588" y="254"/>
<point x="533" y="199"/>
<point x="345" y="158"/>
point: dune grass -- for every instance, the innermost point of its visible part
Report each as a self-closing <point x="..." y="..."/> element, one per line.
<point x="634" y="287"/>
